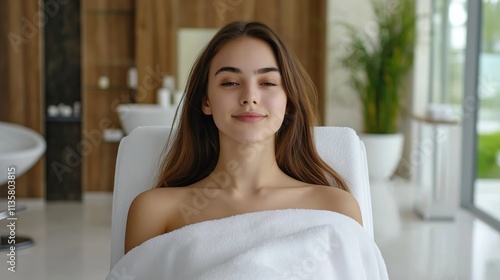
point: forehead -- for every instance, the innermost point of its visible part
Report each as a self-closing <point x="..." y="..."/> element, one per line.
<point x="245" y="53"/>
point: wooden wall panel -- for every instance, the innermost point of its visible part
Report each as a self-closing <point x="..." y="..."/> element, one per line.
<point x="269" y="15"/>
<point x="301" y="24"/>
<point x="155" y="45"/>
<point x="21" y="87"/>
<point x="101" y="5"/>
<point x="145" y="45"/>
<point x="317" y="46"/>
<point x="100" y="156"/>
<point x="108" y="50"/>
<point x="4" y="60"/>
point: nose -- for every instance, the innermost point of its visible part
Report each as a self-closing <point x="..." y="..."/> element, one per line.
<point x="245" y="102"/>
<point x="249" y="95"/>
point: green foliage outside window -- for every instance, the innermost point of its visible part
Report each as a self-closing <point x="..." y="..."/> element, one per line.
<point x="488" y="151"/>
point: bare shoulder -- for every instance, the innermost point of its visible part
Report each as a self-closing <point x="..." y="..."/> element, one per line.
<point x="340" y="201"/>
<point x="149" y="214"/>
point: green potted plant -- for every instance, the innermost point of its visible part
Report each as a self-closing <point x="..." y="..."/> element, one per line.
<point x="378" y="63"/>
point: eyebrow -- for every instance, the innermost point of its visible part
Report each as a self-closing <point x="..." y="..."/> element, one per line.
<point x="238" y="71"/>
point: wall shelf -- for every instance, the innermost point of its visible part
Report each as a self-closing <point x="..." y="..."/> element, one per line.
<point x="110" y="88"/>
<point x="125" y="12"/>
<point x="63" y="119"/>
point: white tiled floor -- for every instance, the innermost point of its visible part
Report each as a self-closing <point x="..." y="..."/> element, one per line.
<point x="487" y="196"/>
<point x="72" y="240"/>
<point x="463" y="248"/>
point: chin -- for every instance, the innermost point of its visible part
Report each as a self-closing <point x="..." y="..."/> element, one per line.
<point x="250" y="136"/>
<point x="251" y="139"/>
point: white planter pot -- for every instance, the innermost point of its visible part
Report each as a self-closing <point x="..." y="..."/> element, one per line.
<point x="383" y="152"/>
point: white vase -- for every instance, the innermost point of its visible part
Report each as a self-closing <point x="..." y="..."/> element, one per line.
<point x="383" y="153"/>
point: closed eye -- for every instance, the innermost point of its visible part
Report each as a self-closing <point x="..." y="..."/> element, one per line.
<point x="268" y="84"/>
<point x="228" y="84"/>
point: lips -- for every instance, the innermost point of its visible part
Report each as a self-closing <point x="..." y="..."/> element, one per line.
<point x="250" y="117"/>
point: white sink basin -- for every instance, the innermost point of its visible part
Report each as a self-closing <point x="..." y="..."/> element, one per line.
<point x="135" y="115"/>
<point x="20" y="147"/>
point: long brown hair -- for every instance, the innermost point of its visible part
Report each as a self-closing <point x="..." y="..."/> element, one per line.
<point x="194" y="152"/>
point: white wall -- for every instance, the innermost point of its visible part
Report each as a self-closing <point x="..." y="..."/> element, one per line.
<point x="343" y="107"/>
<point x="422" y="60"/>
<point x="415" y="143"/>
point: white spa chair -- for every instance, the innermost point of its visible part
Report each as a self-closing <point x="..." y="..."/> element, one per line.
<point x="138" y="159"/>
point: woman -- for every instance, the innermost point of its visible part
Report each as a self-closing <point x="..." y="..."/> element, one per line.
<point x="244" y="143"/>
<point x="248" y="109"/>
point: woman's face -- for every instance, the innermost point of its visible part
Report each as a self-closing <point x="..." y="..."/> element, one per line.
<point x="245" y="91"/>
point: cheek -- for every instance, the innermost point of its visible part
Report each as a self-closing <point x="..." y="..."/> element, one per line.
<point x="278" y="106"/>
<point x="220" y="106"/>
<point x="213" y="98"/>
<point x="220" y="103"/>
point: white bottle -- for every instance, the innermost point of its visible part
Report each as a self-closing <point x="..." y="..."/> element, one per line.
<point x="53" y="111"/>
<point x="164" y="94"/>
<point x="77" y="107"/>
<point x="132" y="78"/>
<point x="103" y="82"/>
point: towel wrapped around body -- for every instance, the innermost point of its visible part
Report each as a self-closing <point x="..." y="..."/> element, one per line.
<point x="290" y="244"/>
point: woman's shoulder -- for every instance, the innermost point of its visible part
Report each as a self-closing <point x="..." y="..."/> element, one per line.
<point x="151" y="196"/>
<point x="150" y="213"/>
<point x="159" y="201"/>
<point x="338" y="200"/>
<point x="161" y="193"/>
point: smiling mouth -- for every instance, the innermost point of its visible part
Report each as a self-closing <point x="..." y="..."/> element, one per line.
<point x="249" y="117"/>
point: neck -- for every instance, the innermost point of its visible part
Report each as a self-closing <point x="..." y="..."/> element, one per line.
<point x="247" y="167"/>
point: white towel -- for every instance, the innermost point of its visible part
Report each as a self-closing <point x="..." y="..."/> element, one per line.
<point x="277" y="244"/>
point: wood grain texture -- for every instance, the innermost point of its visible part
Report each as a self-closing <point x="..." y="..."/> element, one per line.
<point x="108" y="50"/>
<point x="21" y="89"/>
<point x="300" y="24"/>
<point x="101" y="5"/>
<point x="155" y="45"/>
